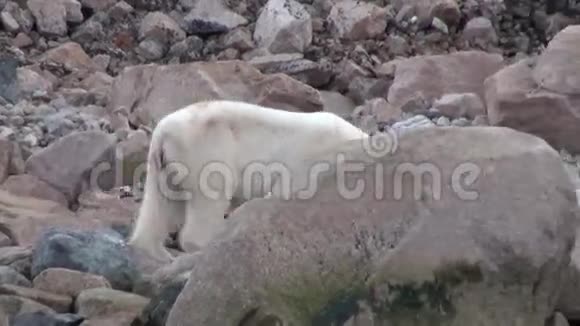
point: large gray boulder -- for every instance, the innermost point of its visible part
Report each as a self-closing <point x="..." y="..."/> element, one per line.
<point x="487" y="247"/>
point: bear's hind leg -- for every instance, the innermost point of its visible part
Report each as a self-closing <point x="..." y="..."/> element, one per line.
<point x="203" y="221"/>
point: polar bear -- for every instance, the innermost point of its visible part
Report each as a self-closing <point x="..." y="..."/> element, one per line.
<point x="198" y="161"/>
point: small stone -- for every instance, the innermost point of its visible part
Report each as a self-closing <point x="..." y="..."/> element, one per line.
<point x="440" y="25"/>
<point x="120" y="11"/>
<point x="480" y="28"/>
<point x="443" y="122"/>
<point x="210" y="17"/>
<point x="461" y="122"/>
<point x="50" y="16"/>
<point x="22" y="40"/>
<point x="102" y="61"/>
<point x="357" y="20"/>
<point x="283" y="26"/>
<point x="158" y="24"/>
<point x="10" y="24"/>
<point x="151" y="49"/>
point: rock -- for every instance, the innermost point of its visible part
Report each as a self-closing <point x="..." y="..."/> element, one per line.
<point x="109" y="207"/>
<point x="71" y="56"/>
<point x="156" y="312"/>
<point x="99" y="252"/>
<point x="447" y="11"/>
<point x="5" y="240"/>
<point x="12" y="306"/>
<point x="50" y="17"/>
<point x="337" y="103"/>
<point x="9" y="22"/>
<point x="159" y="25"/>
<point x="6" y="152"/>
<point x="160" y="90"/>
<point x="283" y="26"/>
<point x="211" y="17"/>
<point x="102" y="302"/>
<point x="72" y="162"/>
<point x="120" y="10"/>
<point x="436" y="75"/>
<point x="46" y="319"/>
<point x="514" y="100"/>
<point x="131" y="158"/>
<point x="9" y="88"/>
<point x="240" y="39"/>
<point x="439" y="254"/>
<point x="557" y="319"/>
<point x="480" y="29"/>
<point x="443" y="122"/>
<point x="347" y="72"/>
<point x="374" y="114"/>
<point x="354" y="20"/>
<point x="73" y="11"/>
<point x="553" y="70"/>
<point x="9" y="275"/>
<point x="152" y="49"/>
<point x="22" y="40"/>
<point x="20" y="15"/>
<point x="99" y="84"/>
<point x="30" y="82"/>
<point x="413" y="123"/>
<point x="12" y="254"/>
<point x="68" y="282"/>
<point x="98" y="5"/>
<point x="90" y="31"/>
<point x="467" y="105"/>
<point x="59" y="303"/>
<point x="361" y="89"/>
<point x="315" y="74"/>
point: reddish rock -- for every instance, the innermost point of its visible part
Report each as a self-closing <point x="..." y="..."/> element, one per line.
<point x="59" y="303"/>
<point x="515" y="100"/>
<point x="31" y="186"/>
<point x="153" y="91"/>
<point x="436" y="75"/>
<point x="68" y="282"/>
<point x="72" y="56"/>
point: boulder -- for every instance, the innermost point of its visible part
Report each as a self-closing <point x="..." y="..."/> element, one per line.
<point x="159" y="25"/>
<point x="515" y="100"/>
<point x="72" y="162"/>
<point x="27" y="185"/>
<point x="283" y="26"/>
<point x="555" y="69"/>
<point x="355" y="20"/>
<point x="101" y="252"/>
<point x="50" y="17"/>
<point x="152" y="91"/>
<point x="71" y="56"/>
<point x="487" y="240"/>
<point x="210" y="17"/>
<point x="436" y="75"/>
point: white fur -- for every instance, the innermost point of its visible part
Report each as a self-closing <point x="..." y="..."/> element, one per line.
<point x="235" y="134"/>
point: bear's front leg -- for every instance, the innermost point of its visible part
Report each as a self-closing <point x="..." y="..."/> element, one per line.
<point x="203" y="221"/>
